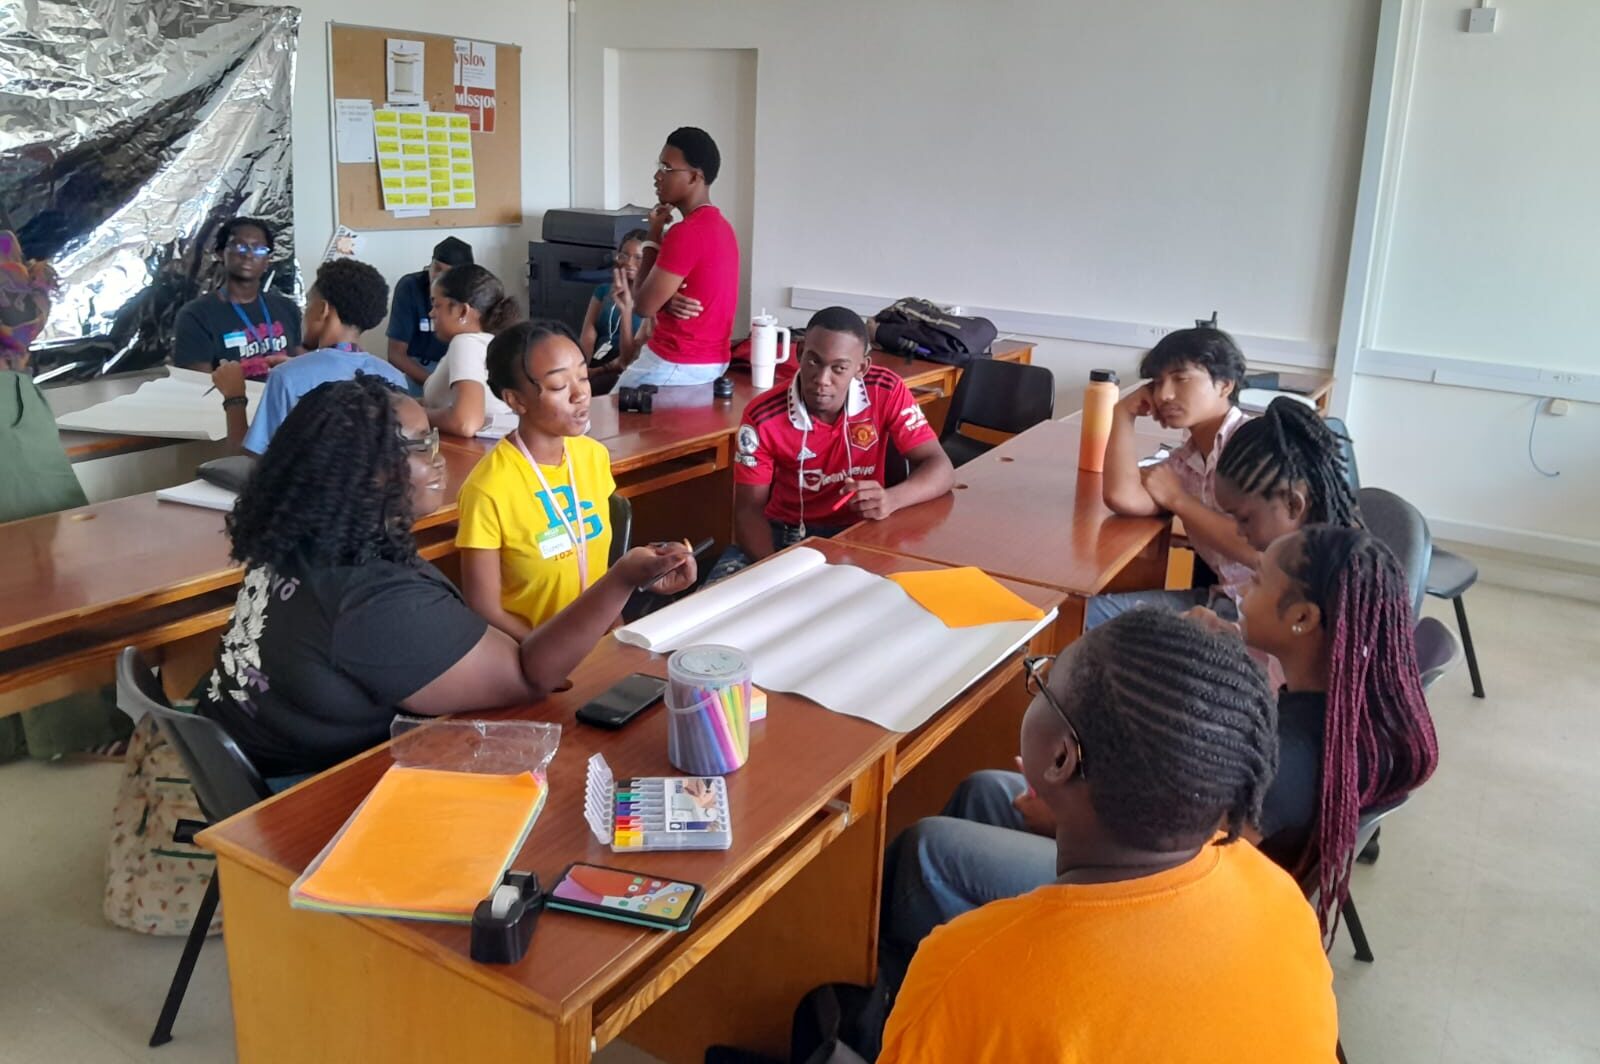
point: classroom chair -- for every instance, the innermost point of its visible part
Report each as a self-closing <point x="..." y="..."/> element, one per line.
<point x="1449" y="577"/>
<point x="1401" y="527"/>
<point x="1347" y="448"/>
<point x="621" y="527"/>
<point x="225" y="782"/>
<point x="998" y="397"/>
<point x="1366" y="832"/>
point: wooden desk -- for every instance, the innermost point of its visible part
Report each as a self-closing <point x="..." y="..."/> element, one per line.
<point x="793" y="903"/>
<point x="1026" y="512"/>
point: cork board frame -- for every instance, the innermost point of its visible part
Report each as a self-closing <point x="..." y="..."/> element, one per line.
<point x="356" y="71"/>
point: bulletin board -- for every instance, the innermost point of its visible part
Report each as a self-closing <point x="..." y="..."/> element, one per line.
<point x="357" y="71"/>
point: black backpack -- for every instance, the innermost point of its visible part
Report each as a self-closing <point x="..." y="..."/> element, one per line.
<point x="919" y="328"/>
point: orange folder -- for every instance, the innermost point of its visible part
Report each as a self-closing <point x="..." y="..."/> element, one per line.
<point x="965" y="597"/>
<point x="426" y="844"/>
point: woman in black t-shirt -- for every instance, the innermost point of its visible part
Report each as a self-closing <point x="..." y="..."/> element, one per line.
<point x="340" y="624"/>
<point x="1333" y="606"/>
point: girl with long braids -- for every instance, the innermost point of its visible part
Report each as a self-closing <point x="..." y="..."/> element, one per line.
<point x="340" y="624"/>
<point x="1354" y="732"/>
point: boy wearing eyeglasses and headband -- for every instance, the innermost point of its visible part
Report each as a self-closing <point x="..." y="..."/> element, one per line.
<point x="242" y="321"/>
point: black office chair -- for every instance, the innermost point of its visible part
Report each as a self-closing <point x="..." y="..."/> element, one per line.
<point x="225" y="782"/>
<point x="1002" y="396"/>
<point x="1366" y="833"/>
<point x="1401" y="527"/>
<point x="1449" y="577"/>
<point x="621" y="527"/>
<point x="1347" y="448"/>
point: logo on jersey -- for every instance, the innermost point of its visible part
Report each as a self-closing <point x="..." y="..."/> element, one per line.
<point x="914" y="416"/>
<point x="749" y="444"/>
<point x="863" y="434"/>
<point x="806" y="452"/>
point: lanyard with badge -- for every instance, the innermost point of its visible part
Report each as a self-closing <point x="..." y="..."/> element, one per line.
<point x="575" y="536"/>
<point x="249" y="327"/>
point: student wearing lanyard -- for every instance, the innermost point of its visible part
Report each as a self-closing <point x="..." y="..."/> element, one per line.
<point x="346" y="300"/>
<point x="612" y="330"/>
<point x="241" y="321"/>
<point x="535" y="528"/>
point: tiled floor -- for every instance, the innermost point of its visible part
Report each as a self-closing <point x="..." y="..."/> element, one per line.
<point x="1483" y="910"/>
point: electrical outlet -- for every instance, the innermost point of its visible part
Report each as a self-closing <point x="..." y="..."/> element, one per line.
<point x="1558" y="408"/>
<point x="1482" y="19"/>
<point x="1151" y="333"/>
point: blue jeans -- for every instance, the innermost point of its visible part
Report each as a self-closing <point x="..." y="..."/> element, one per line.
<point x="1101" y="608"/>
<point x="651" y="368"/>
<point x="976" y="852"/>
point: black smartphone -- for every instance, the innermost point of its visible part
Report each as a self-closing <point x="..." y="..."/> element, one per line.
<point x="631" y="897"/>
<point x="623" y="701"/>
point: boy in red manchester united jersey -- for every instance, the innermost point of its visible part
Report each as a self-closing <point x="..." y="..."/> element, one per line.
<point x="811" y="453"/>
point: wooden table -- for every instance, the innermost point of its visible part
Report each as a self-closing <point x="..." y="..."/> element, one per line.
<point x="793" y="903"/>
<point x="1025" y="511"/>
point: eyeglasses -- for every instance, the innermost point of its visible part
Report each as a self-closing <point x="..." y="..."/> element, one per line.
<point x="427" y="444"/>
<point x="663" y="168"/>
<point x="260" y="251"/>
<point x="1034" y="678"/>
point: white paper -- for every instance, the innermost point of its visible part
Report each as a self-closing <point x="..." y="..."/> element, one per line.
<point x="176" y="406"/>
<point x="352" y="127"/>
<point x="199" y="493"/>
<point x="344" y="244"/>
<point x="841" y="636"/>
<point x="403" y="70"/>
<point x="497" y="426"/>
<point x="474" y="83"/>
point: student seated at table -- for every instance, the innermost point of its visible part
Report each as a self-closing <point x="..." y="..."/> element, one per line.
<point x="345" y="301"/>
<point x="340" y="624"/>
<point x="414" y="348"/>
<point x="1155" y="931"/>
<point x="36" y="478"/>
<point x="1331" y="604"/>
<point x="535" y="512"/>
<point x="613" y="330"/>
<point x="1195" y="376"/>
<point x="241" y="321"/>
<point x="469" y="305"/>
<point x="1281" y="471"/>
<point x="811" y="453"/>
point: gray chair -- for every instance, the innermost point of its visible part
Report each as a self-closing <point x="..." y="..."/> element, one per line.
<point x="1366" y="833"/>
<point x="621" y="527"/>
<point x="1002" y="396"/>
<point x="1401" y="527"/>
<point x="1449" y="577"/>
<point x="225" y="782"/>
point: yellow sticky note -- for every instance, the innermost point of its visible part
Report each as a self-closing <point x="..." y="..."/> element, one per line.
<point x="965" y="597"/>
<point x="388" y="147"/>
<point x="459" y="121"/>
<point x="458" y="137"/>
<point x="437" y="121"/>
<point x="385" y="115"/>
<point x="458" y="151"/>
<point x="463" y="167"/>
<point x="416" y="164"/>
<point x="417" y="199"/>
<point x="411" y="118"/>
<point x="416" y="149"/>
<point x="464" y="183"/>
<point x="438" y="136"/>
<point x="409" y="133"/>
<point x="441" y="199"/>
<point x="416" y="181"/>
<point x="393" y="183"/>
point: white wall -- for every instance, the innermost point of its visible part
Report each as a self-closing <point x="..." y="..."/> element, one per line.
<point x="1143" y="162"/>
<point x="1489" y="253"/>
<point x="540" y="27"/>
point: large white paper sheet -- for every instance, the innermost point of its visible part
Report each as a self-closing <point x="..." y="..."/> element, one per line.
<point x="200" y="493"/>
<point x="843" y="637"/>
<point x="175" y="406"/>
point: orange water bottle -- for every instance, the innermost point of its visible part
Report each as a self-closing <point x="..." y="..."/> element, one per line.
<point x="1099" y="399"/>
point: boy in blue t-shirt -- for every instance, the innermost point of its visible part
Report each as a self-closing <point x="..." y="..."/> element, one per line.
<point x="347" y="299"/>
<point x="413" y="348"/>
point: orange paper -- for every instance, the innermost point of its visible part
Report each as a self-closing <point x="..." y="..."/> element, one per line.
<point x="426" y="843"/>
<point x="965" y="597"/>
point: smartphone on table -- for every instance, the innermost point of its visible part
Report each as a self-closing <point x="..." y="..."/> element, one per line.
<point x="623" y="701"/>
<point x="630" y="897"/>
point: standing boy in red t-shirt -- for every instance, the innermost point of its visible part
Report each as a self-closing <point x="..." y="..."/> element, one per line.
<point x="696" y="260"/>
<point x="811" y="453"/>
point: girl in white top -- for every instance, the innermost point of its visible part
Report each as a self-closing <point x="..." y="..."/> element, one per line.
<point x="468" y="306"/>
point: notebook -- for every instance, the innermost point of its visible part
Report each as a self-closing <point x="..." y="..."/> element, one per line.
<point x="657" y="812"/>
<point x="199" y="493"/>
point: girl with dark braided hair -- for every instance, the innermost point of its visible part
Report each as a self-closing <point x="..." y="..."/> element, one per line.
<point x="1151" y="744"/>
<point x="1282" y="470"/>
<point x="339" y="624"/>
<point x="1333" y="606"/>
<point x="467" y="306"/>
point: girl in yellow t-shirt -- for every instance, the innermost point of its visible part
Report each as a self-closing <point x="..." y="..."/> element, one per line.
<point x="535" y="514"/>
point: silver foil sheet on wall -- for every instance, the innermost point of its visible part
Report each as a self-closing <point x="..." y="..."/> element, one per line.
<point x="129" y="131"/>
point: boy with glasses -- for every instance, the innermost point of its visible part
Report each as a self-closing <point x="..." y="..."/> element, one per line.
<point x="1150" y="928"/>
<point x="241" y="321"/>
<point x="697" y="258"/>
